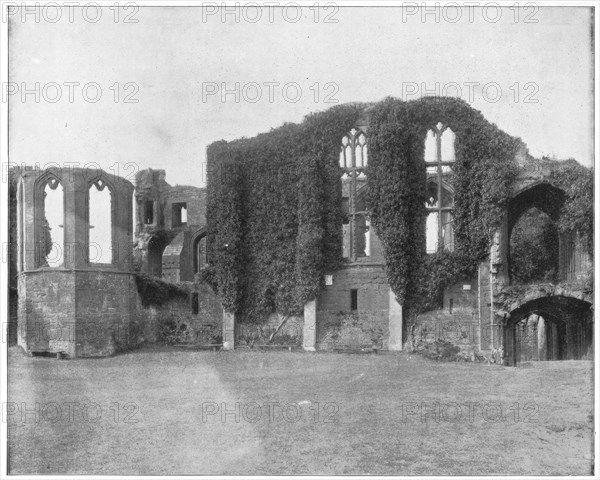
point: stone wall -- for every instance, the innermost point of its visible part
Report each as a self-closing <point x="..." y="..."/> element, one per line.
<point x="340" y="326"/>
<point x="488" y="338"/>
<point x="12" y="256"/>
<point x="193" y="197"/>
<point x="13" y="309"/>
<point x="456" y="322"/>
<point x="289" y="334"/>
<point x="80" y="313"/>
<point x="104" y="301"/>
<point x="178" y="258"/>
<point x="176" y="323"/>
<point x="47" y="312"/>
<point x="151" y="186"/>
<point x="173" y="259"/>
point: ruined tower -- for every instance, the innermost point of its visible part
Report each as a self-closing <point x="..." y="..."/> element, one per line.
<point x="75" y="286"/>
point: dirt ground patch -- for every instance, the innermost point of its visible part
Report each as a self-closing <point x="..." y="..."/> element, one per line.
<point x="165" y="411"/>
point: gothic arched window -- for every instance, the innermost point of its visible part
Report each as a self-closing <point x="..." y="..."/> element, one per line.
<point x="50" y="231"/>
<point x="439" y="157"/>
<point x="100" y="223"/>
<point x="353" y="152"/>
<point x="353" y="161"/>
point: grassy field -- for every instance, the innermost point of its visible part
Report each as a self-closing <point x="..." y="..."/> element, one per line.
<point x="160" y="411"/>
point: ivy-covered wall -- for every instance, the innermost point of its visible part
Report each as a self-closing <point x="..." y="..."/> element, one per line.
<point x="165" y="312"/>
<point x="483" y="173"/>
<point x="577" y="214"/>
<point x="274" y="215"/>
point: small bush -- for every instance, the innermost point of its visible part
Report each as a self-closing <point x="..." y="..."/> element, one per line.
<point x="171" y="332"/>
<point x="353" y="330"/>
<point x="440" y="350"/>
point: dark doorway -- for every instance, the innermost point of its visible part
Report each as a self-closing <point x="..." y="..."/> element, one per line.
<point x="534" y="248"/>
<point x="550" y="328"/>
<point x="156" y="247"/>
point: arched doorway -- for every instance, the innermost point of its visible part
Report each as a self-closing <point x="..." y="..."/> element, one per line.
<point x="534" y="248"/>
<point x="549" y="328"/>
<point x="534" y="245"/>
<point x="156" y="247"/>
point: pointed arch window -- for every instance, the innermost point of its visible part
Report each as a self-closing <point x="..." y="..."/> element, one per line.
<point x="439" y="158"/>
<point x="100" y="223"/>
<point x="50" y="229"/>
<point x="354" y="159"/>
<point x="353" y="151"/>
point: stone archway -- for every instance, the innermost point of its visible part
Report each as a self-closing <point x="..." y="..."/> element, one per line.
<point x="149" y="251"/>
<point x="533" y="204"/>
<point x="554" y="327"/>
<point x="156" y="247"/>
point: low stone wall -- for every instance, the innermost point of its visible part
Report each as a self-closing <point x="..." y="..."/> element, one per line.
<point x="457" y="322"/>
<point x="177" y="321"/>
<point x="83" y="313"/>
<point x="353" y="330"/>
<point x="104" y="301"/>
<point x="95" y="313"/>
<point x="459" y="329"/>
<point x="290" y="332"/>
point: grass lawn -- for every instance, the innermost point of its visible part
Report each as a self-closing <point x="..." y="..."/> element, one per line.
<point x="317" y="414"/>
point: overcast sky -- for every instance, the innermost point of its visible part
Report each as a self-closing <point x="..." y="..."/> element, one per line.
<point x="174" y="62"/>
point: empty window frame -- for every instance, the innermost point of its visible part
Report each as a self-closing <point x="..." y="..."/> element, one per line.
<point x="354" y="300"/>
<point x="439" y="157"/>
<point x="356" y="224"/>
<point x="179" y="214"/>
<point x="200" y="258"/>
<point x="149" y="212"/>
<point x="353" y="151"/>
<point x="51" y="228"/>
<point x="100" y="223"/>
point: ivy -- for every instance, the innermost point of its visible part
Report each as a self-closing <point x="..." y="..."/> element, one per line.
<point x="156" y="292"/>
<point x="534" y="247"/>
<point x="13" y="177"/>
<point x="311" y="229"/>
<point x="224" y="237"/>
<point x="274" y="211"/>
<point x="274" y="215"/>
<point x="439" y="271"/>
<point x="577" y="213"/>
<point x="483" y="173"/>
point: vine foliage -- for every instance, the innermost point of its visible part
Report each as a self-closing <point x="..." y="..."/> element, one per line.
<point x="274" y="215"/>
<point x="157" y="292"/>
<point x="577" y="213"/>
<point x="483" y="172"/>
<point x="274" y="204"/>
